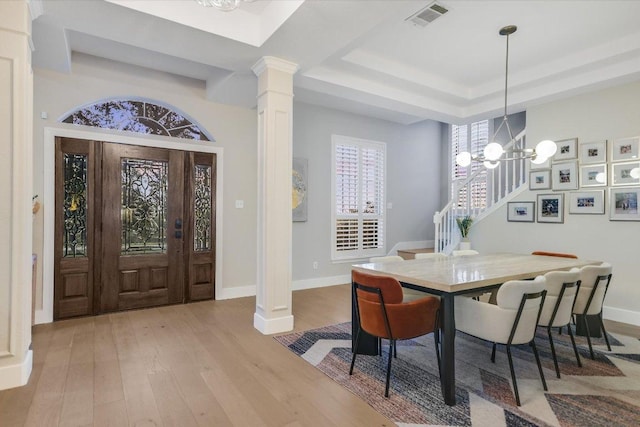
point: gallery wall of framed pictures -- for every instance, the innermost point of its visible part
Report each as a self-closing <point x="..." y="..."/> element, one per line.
<point x="596" y="175"/>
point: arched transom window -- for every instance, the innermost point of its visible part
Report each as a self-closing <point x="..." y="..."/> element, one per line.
<point x="137" y="116"/>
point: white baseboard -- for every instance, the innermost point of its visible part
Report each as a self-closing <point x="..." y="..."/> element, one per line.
<point x="273" y="326"/>
<point x="236" y="292"/>
<point x="16" y="375"/>
<point x="321" y="282"/>
<point x="621" y="315"/>
<point x="417" y="244"/>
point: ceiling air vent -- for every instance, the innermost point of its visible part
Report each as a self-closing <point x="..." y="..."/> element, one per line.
<point x="427" y="15"/>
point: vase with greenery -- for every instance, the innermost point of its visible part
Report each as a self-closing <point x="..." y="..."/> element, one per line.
<point x="464" y="224"/>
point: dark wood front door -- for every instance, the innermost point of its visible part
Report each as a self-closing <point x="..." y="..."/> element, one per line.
<point x="134" y="227"/>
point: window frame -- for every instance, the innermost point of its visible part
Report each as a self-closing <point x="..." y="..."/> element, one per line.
<point x="460" y="174"/>
<point x="360" y="252"/>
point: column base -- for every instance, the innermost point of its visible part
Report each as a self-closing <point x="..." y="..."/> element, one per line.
<point x="273" y="326"/>
<point x="16" y="375"/>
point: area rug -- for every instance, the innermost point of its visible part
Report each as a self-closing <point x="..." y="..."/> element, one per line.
<point x="603" y="392"/>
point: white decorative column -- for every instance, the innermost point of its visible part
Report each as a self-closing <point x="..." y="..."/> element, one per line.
<point x="16" y="187"/>
<point x="275" y="126"/>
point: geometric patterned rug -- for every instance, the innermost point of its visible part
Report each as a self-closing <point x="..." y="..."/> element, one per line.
<point x="604" y="392"/>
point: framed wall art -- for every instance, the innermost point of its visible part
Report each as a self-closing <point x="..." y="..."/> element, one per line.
<point x="593" y="175"/>
<point x="623" y="204"/>
<point x="551" y="208"/>
<point x="564" y="176"/>
<point x="540" y="179"/>
<point x="567" y="149"/>
<point x="593" y="152"/>
<point x="625" y="173"/>
<point x="299" y="189"/>
<point x="625" y="149"/>
<point x="586" y="202"/>
<point x="521" y="211"/>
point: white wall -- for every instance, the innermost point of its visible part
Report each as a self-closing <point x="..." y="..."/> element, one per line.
<point x="233" y="128"/>
<point x="607" y="114"/>
<point x="413" y="182"/>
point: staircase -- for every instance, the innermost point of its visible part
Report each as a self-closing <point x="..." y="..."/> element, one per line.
<point x="503" y="184"/>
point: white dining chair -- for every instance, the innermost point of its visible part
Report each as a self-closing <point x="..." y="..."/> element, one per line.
<point x="430" y="255"/>
<point x="562" y="288"/>
<point x="464" y="252"/>
<point x="594" y="283"/>
<point x="512" y="321"/>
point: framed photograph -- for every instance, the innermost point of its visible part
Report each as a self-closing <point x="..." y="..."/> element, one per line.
<point x="586" y="202"/>
<point x="623" y="204"/>
<point x="625" y="149"/>
<point x="521" y="211"/>
<point x="567" y="149"/>
<point x="593" y="152"/>
<point x="625" y="173"/>
<point x="540" y="179"/>
<point x="593" y="176"/>
<point x="564" y="176"/>
<point x="551" y="208"/>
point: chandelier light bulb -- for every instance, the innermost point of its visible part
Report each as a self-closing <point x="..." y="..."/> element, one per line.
<point x="493" y="151"/>
<point x="546" y="148"/>
<point x="635" y="173"/>
<point x="539" y="159"/>
<point x="463" y="159"/>
<point x="490" y="164"/>
<point x="600" y="177"/>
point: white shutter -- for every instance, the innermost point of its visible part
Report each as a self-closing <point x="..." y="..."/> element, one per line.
<point x="358" y="186"/>
<point x="473" y="138"/>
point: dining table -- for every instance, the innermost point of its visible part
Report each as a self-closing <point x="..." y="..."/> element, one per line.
<point x="453" y="277"/>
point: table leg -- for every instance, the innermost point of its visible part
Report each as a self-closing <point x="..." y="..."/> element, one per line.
<point x="448" y="372"/>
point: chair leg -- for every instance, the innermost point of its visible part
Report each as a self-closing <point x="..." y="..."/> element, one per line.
<point x="353" y="359"/>
<point x="436" y="338"/>
<point x="586" y="326"/>
<point x="553" y="352"/>
<point x="535" y="353"/>
<point x="493" y="354"/>
<point x="395" y="349"/>
<point x="513" y="375"/>
<point x="575" y="348"/>
<point x="604" y="332"/>
<point x="386" y="390"/>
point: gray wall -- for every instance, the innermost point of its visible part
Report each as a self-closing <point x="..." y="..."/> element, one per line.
<point x="604" y="115"/>
<point x="413" y="182"/>
<point x="234" y="128"/>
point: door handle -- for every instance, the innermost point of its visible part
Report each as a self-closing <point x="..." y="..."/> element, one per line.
<point x="178" y="224"/>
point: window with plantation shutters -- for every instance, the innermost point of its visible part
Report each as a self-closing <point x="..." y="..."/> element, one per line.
<point x="358" y="184"/>
<point x="472" y="138"/>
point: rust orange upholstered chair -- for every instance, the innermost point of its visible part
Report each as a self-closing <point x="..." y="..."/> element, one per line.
<point x="559" y="254"/>
<point x="381" y="313"/>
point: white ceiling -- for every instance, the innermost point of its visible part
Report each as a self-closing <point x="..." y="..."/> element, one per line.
<point x="361" y="55"/>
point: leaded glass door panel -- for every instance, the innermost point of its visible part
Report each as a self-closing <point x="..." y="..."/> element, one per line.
<point x="200" y="215"/>
<point x="74" y="222"/>
<point x="142" y="227"/>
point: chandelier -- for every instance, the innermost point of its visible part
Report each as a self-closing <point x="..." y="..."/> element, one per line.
<point x="223" y="5"/>
<point x="494" y="152"/>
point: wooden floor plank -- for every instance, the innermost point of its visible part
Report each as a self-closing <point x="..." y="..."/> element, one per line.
<point x="111" y="414"/>
<point x="196" y="364"/>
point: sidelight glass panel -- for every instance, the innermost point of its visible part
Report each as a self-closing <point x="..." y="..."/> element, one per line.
<point x="202" y="208"/>
<point x="144" y="206"/>
<point x="74" y="238"/>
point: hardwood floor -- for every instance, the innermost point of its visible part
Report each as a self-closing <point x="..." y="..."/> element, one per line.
<point x="200" y="364"/>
